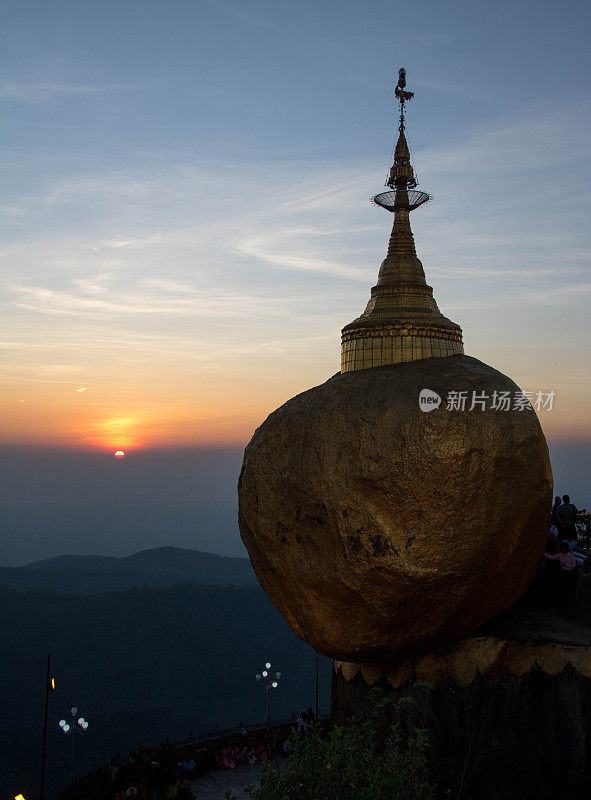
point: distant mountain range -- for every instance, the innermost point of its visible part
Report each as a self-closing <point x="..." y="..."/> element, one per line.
<point x="162" y="566"/>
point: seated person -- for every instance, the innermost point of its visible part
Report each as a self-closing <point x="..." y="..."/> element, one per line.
<point x="227" y="761"/>
<point x="564" y="556"/>
<point x="263" y="752"/>
<point x="568" y="574"/>
<point x="189" y="765"/>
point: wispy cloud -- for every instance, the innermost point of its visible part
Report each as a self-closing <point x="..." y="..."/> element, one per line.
<point x="294" y="250"/>
<point x="320" y="225"/>
<point x="169" y="270"/>
<point x="559" y="294"/>
<point x="534" y="137"/>
<point x="140" y="301"/>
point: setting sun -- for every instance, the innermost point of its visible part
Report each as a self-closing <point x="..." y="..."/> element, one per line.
<point x="119" y="454"/>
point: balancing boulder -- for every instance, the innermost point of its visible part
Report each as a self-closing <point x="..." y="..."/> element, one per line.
<point x="379" y="529"/>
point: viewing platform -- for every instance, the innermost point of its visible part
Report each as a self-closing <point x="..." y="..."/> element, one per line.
<point x="207" y="781"/>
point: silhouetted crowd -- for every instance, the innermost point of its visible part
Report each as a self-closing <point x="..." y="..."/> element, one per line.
<point x="147" y="774"/>
<point x="165" y="772"/>
<point x="561" y="571"/>
<point x="231" y="758"/>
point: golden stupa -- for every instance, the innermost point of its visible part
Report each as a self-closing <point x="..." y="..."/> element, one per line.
<point x="402" y="321"/>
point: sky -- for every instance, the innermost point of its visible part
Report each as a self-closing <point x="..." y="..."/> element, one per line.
<point x="186" y="219"/>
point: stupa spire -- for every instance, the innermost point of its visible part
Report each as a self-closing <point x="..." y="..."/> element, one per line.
<point x="401" y="321"/>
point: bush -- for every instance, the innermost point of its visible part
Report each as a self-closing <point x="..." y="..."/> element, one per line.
<point x="361" y="760"/>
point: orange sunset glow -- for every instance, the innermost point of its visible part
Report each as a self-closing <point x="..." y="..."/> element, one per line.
<point x="148" y="311"/>
<point x="220" y="407"/>
<point x="224" y="408"/>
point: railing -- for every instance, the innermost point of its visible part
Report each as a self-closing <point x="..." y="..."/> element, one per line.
<point x="220" y="733"/>
<point x="203" y="748"/>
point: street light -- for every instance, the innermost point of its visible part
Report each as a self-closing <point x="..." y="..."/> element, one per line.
<point x="269" y="682"/>
<point x="78" y="725"/>
<point x="49" y="689"/>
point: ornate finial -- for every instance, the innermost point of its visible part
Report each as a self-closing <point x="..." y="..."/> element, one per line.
<point x="402" y="96"/>
<point x="401" y="174"/>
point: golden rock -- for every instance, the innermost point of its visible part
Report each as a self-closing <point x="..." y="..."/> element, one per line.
<point x="379" y="529"/>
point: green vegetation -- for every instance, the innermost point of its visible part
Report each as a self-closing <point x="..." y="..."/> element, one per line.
<point x="141" y="665"/>
<point x="361" y="760"/>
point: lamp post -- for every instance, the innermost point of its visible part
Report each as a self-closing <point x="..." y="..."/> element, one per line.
<point x="77" y="726"/>
<point x="269" y="682"/>
<point x="49" y="689"/>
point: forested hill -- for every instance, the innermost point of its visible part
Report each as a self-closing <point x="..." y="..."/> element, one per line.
<point x="140" y="665"/>
<point x="163" y="566"/>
